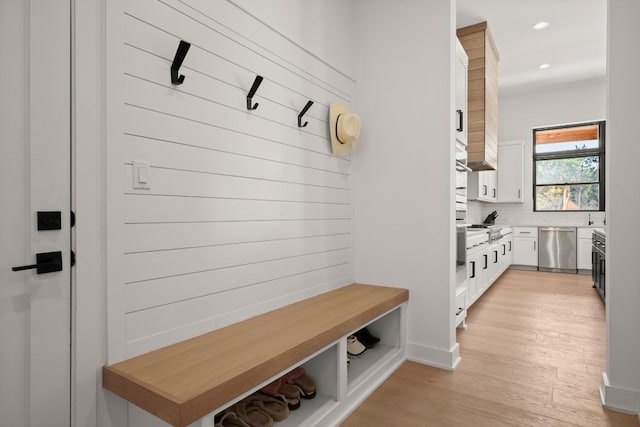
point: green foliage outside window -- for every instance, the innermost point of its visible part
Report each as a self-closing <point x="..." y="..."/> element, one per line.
<point x="568" y="180"/>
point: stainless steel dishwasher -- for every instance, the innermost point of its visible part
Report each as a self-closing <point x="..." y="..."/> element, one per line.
<point x="557" y="249"/>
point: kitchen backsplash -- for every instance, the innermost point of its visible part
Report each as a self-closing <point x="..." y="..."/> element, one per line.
<point x="474" y="212"/>
<point x="514" y="214"/>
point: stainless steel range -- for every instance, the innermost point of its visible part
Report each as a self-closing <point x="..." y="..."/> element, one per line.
<point x="495" y="231"/>
<point x="598" y="262"/>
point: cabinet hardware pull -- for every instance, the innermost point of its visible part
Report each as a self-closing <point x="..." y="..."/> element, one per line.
<point x="460" y="114"/>
<point x="473" y="270"/>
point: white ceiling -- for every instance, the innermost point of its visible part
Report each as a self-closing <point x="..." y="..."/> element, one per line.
<point x="574" y="44"/>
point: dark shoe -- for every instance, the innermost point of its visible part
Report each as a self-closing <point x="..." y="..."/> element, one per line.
<point x="365" y="337"/>
<point x="299" y="378"/>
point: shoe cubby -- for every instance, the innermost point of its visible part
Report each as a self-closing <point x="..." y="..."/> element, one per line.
<point x="388" y="328"/>
<point x="322" y="368"/>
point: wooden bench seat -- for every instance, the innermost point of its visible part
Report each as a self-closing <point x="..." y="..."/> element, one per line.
<point x="186" y="381"/>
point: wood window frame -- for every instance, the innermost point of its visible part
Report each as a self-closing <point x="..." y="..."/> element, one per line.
<point x="570" y="154"/>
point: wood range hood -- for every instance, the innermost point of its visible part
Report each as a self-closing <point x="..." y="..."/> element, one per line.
<point x="482" y="110"/>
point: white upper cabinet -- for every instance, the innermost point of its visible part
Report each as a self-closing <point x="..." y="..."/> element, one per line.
<point x="462" y="64"/>
<point x="483" y="186"/>
<point x="510" y="176"/>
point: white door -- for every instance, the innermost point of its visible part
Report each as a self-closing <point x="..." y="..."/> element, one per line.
<point x="35" y="175"/>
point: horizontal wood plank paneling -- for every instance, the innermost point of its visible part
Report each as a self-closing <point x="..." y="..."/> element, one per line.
<point x="153" y="69"/>
<point x="153" y="265"/>
<point x="167" y="127"/>
<point x="154" y="41"/>
<point x="147" y="237"/>
<point x="157" y="97"/>
<point x="169" y="155"/>
<point x="151" y="293"/>
<point x="195" y="316"/>
<point x="177" y="182"/>
<point x="284" y="49"/>
<point x="162" y="209"/>
<point x="205" y="34"/>
<point x="245" y="211"/>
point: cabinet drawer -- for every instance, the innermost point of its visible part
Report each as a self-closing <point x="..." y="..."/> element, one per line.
<point x="525" y="231"/>
<point x="586" y="232"/>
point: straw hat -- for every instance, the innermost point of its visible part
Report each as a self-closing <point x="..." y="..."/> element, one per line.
<point x="344" y="127"/>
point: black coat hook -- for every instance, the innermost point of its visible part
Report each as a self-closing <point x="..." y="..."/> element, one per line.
<point x="304" y="110"/>
<point x="252" y="91"/>
<point x="183" y="48"/>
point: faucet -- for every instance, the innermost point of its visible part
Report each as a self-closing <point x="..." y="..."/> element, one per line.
<point x="591" y="222"/>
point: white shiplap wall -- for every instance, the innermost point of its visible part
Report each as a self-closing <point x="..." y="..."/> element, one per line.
<point x="246" y="212"/>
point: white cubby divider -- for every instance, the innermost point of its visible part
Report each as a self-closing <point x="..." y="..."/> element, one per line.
<point x="386" y="328"/>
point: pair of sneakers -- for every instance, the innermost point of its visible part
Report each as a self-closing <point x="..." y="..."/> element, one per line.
<point x="359" y="342"/>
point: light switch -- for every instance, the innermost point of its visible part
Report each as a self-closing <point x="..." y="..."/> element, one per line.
<point x="141" y="175"/>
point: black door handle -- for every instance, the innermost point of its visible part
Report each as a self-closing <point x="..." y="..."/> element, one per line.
<point x="46" y="262"/>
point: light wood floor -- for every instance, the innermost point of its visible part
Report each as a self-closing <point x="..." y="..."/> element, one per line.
<point x="533" y="354"/>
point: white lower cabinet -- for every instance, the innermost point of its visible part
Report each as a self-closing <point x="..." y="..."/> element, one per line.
<point x="486" y="262"/>
<point x="525" y="246"/>
<point x="473" y="272"/>
<point x="584" y="248"/>
<point x="494" y="265"/>
<point x="477" y="265"/>
<point x="505" y="249"/>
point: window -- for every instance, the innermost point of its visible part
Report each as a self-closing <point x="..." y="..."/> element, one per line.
<point x="568" y="172"/>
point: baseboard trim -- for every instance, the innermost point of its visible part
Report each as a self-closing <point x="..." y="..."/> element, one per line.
<point x="523" y="267"/>
<point x="438" y="358"/>
<point x="619" y="399"/>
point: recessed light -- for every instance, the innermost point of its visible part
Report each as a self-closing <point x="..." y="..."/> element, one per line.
<point x="541" y="25"/>
<point x="543" y="66"/>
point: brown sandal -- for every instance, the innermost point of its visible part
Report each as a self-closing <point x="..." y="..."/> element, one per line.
<point x="302" y="381"/>
<point x="289" y="393"/>
<point x="251" y="414"/>
<point x="275" y="407"/>
<point x="231" y="419"/>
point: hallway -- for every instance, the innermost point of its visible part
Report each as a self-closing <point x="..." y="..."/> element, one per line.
<point x="533" y="354"/>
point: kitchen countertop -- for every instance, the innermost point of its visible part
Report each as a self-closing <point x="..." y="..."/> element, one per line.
<point x="474" y="231"/>
<point x="596" y="228"/>
<point x="552" y="225"/>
